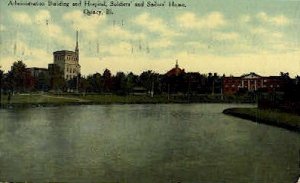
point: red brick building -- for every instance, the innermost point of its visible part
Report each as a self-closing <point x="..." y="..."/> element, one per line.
<point x="252" y="82"/>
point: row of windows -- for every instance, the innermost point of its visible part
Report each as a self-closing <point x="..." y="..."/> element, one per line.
<point x="246" y="86"/>
<point x="71" y="58"/>
<point x="71" y="70"/>
<point x="252" y="81"/>
<point x="70" y="76"/>
<point x="67" y="58"/>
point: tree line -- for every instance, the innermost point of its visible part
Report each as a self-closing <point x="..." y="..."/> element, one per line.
<point x="19" y="79"/>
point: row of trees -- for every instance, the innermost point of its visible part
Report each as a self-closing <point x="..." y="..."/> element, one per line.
<point x="147" y="81"/>
<point x="19" y="79"/>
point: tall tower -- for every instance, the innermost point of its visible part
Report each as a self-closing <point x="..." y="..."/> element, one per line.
<point x="68" y="61"/>
<point x="77" y="47"/>
<point x="77" y="55"/>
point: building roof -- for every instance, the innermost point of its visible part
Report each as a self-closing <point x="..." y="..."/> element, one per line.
<point x="251" y="75"/>
<point x="64" y="52"/>
<point x="175" y="71"/>
<point x="37" y="68"/>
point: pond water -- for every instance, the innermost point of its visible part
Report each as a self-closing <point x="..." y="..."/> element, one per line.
<point x="144" y="143"/>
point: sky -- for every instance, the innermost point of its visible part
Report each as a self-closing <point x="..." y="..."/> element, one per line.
<point x="231" y="37"/>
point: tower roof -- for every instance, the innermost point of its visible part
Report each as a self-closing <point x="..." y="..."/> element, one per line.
<point x="63" y="52"/>
<point x="77" y="46"/>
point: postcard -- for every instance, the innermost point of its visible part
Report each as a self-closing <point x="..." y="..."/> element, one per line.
<point x="150" y="91"/>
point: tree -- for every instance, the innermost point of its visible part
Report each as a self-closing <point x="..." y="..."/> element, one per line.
<point x="95" y="83"/>
<point x="146" y="79"/>
<point x="1" y="78"/>
<point x="83" y="84"/>
<point x="19" y="77"/>
<point x="107" y="80"/>
<point x="131" y="81"/>
<point x="151" y="81"/>
<point x="119" y="82"/>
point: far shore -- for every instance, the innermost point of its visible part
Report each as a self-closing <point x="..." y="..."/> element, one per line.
<point x="271" y="117"/>
<point x="47" y="99"/>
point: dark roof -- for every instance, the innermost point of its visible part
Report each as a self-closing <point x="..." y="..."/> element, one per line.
<point x="175" y="71"/>
<point x="275" y="77"/>
<point x="232" y="77"/>
<point x="63" y="52"/>
<point x="251" y="74"/>
<point x="37" y="68"/>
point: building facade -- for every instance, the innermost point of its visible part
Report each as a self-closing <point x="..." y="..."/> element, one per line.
<point x="36" y="71"/>
<point x="67" y="61"/>
<point x="252" y="82"/>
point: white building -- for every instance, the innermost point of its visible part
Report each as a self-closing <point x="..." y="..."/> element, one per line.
<point x="68" y="61"/>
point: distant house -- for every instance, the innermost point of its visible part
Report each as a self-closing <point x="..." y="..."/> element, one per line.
<point x="173" y="81"/>
<point x="252" y="82"/>
<point x="35" y="71"/>
<point x="39" y="76"/>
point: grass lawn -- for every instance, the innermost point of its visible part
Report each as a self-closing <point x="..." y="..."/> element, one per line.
<point x="272" y="117"/>
<point x="23" y="100"/>
<point x="128" y="99"/>
<point x="66" y="98"/>
<point x="34" y="99"/>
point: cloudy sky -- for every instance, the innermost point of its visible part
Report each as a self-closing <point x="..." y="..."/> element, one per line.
<point x="228" y="36"/>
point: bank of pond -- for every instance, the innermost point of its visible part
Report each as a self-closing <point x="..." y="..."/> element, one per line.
<point x="47" y="99"/>
<point x="267" y="116"/>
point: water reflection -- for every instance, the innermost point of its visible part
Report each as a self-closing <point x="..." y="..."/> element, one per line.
<point x="143" y="143"/>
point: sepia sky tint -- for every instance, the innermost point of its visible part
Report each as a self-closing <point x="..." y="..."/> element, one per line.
<point x="227" y="37"/>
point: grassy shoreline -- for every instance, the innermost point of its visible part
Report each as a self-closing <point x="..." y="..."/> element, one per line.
<point x="271" y="117"/>
<point x="43" y="100"/>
